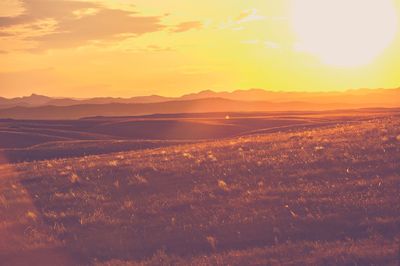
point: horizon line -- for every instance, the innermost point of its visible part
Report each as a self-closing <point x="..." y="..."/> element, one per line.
<point x="201" y="91"/>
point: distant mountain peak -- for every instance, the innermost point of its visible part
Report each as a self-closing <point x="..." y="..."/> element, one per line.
<point x="34" y="95"/>
<point x="375" y="97"/>
<point x="206" y="91"/>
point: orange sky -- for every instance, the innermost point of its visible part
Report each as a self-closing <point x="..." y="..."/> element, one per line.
<point x="85" y="48"/>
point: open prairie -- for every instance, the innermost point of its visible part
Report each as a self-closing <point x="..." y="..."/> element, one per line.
<point x="27" y="140"/>
<point x="282" y="188"/>
<point x="151" y="132"/>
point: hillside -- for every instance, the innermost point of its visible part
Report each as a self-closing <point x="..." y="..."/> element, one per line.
<point x="35" y="100"/>
<point x="30" y="140"/>
<point x="275" y="100"/>
<point x="370" y="97"/>
<point x="180" y="106"/>
<point x="325" y="196"/>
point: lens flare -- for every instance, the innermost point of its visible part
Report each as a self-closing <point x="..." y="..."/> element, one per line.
<point x="344" y="33"/>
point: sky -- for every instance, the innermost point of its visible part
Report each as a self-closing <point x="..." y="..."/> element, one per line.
<point x="125" y="48"/>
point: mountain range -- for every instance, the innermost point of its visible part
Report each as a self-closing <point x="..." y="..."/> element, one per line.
<point x="253" y="100"/>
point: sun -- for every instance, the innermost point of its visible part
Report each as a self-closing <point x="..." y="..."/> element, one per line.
<point x="344" y="33"/>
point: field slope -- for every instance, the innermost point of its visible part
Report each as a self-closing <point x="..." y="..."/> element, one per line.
<point x="313" y="196"/>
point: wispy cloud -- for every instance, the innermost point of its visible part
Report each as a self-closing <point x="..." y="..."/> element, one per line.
<point x="5" y="34"/>
<point x="186" y="26"/>
<point x="248" y="16"/>
<point x="78" y="23"/>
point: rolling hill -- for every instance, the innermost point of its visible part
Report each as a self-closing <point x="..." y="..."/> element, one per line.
<point x="202" y="105"/>
<point x="320" y="196"/>
<point x="28" y="140"/>
<point x="368" y="97"/>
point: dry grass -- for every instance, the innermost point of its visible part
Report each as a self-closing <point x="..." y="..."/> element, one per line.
<point x="320" y="196"/>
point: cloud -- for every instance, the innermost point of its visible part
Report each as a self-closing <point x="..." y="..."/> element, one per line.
<point x="152" y="48"/>
<point x="79" y="23"/>
<point x="248" y="16"/>
<point x="5" y="34"/>
<point x="157" y="48"/>
<point x="186" y="26"/>
<point x="35" y="10"/>
<point x="108" y="24"/>
<point x="238" y="22"/>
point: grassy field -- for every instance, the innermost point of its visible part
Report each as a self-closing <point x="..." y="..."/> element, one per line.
<point x="33" y="140"/>
<point x="79" y="148"/>
<point x="323" y="195"/>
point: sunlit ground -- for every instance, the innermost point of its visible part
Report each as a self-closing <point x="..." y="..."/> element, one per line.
<point x="310" y="196"/>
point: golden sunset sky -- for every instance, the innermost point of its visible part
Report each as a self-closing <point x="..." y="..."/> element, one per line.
<point x="86" y="48"/>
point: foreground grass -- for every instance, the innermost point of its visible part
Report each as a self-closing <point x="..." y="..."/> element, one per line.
<point x="320" y="196"/>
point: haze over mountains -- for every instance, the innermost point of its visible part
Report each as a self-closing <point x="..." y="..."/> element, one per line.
<point x="254" y="100"/>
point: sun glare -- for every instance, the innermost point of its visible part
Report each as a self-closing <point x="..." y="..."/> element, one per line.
<point x="344" y="33"/>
